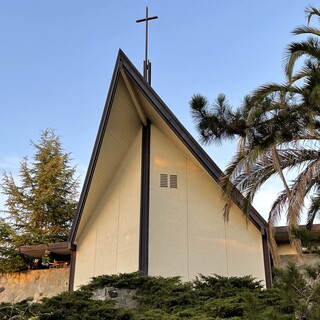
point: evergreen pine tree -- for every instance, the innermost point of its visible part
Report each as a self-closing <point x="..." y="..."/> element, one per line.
<point x="41" y="208"/>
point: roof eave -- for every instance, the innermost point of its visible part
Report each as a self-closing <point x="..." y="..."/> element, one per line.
<point x="96" y="148"/>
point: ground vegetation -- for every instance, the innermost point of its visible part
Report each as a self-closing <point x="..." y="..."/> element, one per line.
<point x="208" y="297"/>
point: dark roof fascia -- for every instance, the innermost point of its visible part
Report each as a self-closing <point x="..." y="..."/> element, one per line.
<point x="282" y="232"/>
<point x="96" y="148"/>
<point x="59" y="245"/>
<point x="186" y="138"/>
<point x="285" y="229"/>
<point x="55" y="246"/>
<point x="52" y="246"/>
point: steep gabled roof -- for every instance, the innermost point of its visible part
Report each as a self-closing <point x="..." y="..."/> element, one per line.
<point x="124" y="68"/>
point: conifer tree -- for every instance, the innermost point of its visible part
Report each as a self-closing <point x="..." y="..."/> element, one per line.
<point x="40" y="209"/>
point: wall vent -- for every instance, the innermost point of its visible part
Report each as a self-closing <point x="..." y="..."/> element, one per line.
<point x="173" y="181"/>
<point x="163" y="180"/>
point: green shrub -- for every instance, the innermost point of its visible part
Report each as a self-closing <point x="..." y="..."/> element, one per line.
<point x="208" y="297"/>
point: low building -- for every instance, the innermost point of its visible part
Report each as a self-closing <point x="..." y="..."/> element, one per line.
<point x="287" y="252"/>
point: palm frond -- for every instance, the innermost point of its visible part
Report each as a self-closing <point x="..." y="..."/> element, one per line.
<point x="295" y="50"/>
<point x="311" y="11"/>
<point x="306" y="29"/>
<point x="278" y="207"/>
<point x="273" y="244"/>
<point x="269" y="89"/>
<point x="300" y="188"/>
<point x="314" y="210"/>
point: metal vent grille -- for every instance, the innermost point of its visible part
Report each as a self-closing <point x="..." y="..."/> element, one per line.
<point x="173" y="181"/>
<point x="163" y="180"/>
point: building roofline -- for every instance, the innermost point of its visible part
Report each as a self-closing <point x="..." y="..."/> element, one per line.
<point x="96" y="150"/>
<point x="36" y="250"/>
<point x="188" y="140"/>
<point x="166" y="114"/>
<point x="282" y="232"/>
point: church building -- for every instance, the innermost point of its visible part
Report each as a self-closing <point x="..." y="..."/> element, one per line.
<point x="151" y="199"/>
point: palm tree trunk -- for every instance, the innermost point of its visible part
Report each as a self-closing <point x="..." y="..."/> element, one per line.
<point x="273" y="245"/>
<point x="296" y="243"/>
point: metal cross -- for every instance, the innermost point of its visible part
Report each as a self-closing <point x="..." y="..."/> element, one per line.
<point x="147" y="63"/>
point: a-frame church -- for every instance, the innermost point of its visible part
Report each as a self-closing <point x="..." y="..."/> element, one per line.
<point x="151" y="200"/>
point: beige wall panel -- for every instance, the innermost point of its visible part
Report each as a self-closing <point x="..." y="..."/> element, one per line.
<point x="187" y="232"/>
<point x="111" y="245"/>
<point x="168" y="254"/>
<point x="107" y="230"/>
<point x="119" y="217"/>
<point x="244" y="246"/>
<point x="122" y="127"/>
<point x="129" y="219"/>
<point x="207" y="250"/>
<point x="85" y="256"/>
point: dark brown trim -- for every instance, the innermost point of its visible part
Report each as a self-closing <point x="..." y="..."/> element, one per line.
<point x="267" y="261"/>
<point x="144" y="200"/>
<point x="282" y="232"/>
<point x="72" y="268"/>
<point x="38" y="250"/>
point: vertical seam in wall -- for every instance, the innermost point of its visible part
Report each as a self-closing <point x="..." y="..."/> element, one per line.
<point x="95" y="247"/>
<point x="118" y="228"/>
<point x="226" y="246"/>
<point x="187" y="202"/>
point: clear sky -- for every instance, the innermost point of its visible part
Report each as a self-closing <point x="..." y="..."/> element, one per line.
<point x="57" y="58"/>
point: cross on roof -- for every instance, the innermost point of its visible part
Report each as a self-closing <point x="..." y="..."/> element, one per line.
<point x="147" y="63"/>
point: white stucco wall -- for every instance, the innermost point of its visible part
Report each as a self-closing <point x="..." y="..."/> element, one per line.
<point x="110" y="241"/>
<point x="187" y="233"/>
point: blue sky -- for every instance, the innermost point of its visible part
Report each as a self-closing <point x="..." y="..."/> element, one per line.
<point x="57" y="58"/>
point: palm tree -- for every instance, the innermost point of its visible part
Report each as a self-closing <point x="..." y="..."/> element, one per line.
<point x="278" y="128"/>
<point x="273" y="137"/>
<point x="263" y="125"/>
<point x="309" y="48"/>
<point x="309" y="74"/>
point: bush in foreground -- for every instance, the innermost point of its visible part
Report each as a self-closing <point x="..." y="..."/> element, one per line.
<point x="208" y="297"/>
